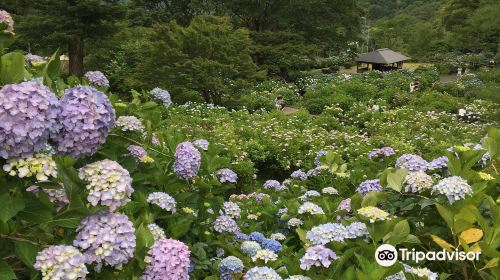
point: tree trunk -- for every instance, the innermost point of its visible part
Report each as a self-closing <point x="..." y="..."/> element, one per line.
<point x="206" y="95"/>
<point x="75" y="52"/>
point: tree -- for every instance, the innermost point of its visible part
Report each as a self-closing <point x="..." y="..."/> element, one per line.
<point x="68" y="23"/>
<point x="209" y="56"/>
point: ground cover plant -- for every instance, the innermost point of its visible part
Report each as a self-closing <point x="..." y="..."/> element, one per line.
<point x="97" y="185"/>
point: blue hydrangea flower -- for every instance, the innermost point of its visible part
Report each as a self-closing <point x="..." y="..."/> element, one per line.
<point x="162" y="200"/>
<point x="299" y="174"/>
<point x="28" y="117"/>
<point x="97" y="78"/>
<point x="187" y="161"/>
<point x="326" y="233"/>
<point x="369" y="186"/>
<point x="229" y="266"/>
<point x="262" y="273"/>
<point x="438" y="163"/>
<point x="412" y="162"/>
<point x="319" y="154"/>
<point x="356" y="230"/>
<point x="317" y="256"/>
<point x="87" y="116"/>
<point x="257" y="236"/>
<point x="250" y="248"/>
<point x="272" y="245"/>
<point x="226" y="175"/>
<point x="455" y="188"/>
<point x="272" y="184"/>
<point x="130" y="123"/>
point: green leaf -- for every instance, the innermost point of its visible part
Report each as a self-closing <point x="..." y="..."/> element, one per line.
<point x="446" y="214"/>
<point x="26" y="252"/>
<point x="6" y="272"/>
<point x="13" y="68"/>
<point x="10" y="207"/>
<point x="395" y="179"/>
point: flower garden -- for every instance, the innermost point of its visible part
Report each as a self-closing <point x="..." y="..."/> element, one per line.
<point x="97" y="186"/>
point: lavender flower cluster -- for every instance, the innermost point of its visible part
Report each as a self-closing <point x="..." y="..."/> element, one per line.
<point x="369" y="186"/>
<point x="187" y="161"/>
<point x="61" y="263"/>
<point x="250" y="248"/>
<point x="225" y="224"/>
<point x="454" y="188"/>
<point x="317" y="256"/>
<point x="262" y="273"/>
<point x="226" y="175"/>
<point x="326" y="233"/>
<point x="162" y="200"/>
<point x="28" y="114"/>
<point x="106" y="238"/>
<point x="168" y="259"/>
<point x="56" y="196"/>
<point x="438" y="163"/>
<point x="156" y="231"/>
<point x="382" y="152"/>
<point x="412" y="162"/>
<point x="229" y="266"/>
<point x="97" y="78"/>
<point x="86" y="118"/>
<point x="311" y="208"/>
<point x="232" y="209"/>
<point x="201" y="144"/>
<point x="319" y="154"/>
<point x="108" y="183"/>
<point x="299" y="174"/>
<point x="129" y="123"/>
<point x="162" y="95"/>
<point x="34" y="59"/>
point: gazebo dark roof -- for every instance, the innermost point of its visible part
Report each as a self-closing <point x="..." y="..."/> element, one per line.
<point x="382" y="56"/>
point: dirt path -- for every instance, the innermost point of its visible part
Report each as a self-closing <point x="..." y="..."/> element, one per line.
<point x="448" y="78"/>
<point x="290" y="110"/>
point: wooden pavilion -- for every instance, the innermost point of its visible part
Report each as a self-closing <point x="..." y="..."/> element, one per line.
<point x="380" y="59"/>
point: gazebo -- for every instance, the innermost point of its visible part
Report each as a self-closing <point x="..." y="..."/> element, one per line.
<point x="380" y="59"/>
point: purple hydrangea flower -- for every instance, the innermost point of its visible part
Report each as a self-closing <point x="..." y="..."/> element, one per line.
<point x="317" y="256"/>
<point x="137" y="151"/>
<point x="369" y="186"/>
<point x="168" y="259"/>
<point x="262" y="273"/>
<point x="156" y="231"/>
<point x="326" y="233"/>
<point x="313" y="172"/>
<point x="162" y="95"/>
<point x="411" y="162"/>
<point x="162" y="200"/>
<point x="61" y="263"/>
<point x="6" y="18"/>
<point x="187" y="161"/>
<point x="356" y="230"/>
<point x="455" y="188"/>
<point x="106" y="239"/>
<point x="384" y="151"/>
<point x="201" y="144"/>
<point x="344" y="205"/>
<point x="34" y="59"/>
<point x="226" y="175"/>
<point x="130" y="123"/>
<point x="97" y="78"/>
<point x="299" y="174"/>
<point x="56" y="196"/>
<point x="438" y="163"/>
<point x="28" y="117"/>
<point x="87" y="117"/>
<point x="272" y="184"/>
<point x="319" y="154"/>
<point x="108" y="183"/>
<point x="224" y="224"/>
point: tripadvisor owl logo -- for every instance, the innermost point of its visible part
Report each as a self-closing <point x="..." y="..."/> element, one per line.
<point x="387" y="255"/>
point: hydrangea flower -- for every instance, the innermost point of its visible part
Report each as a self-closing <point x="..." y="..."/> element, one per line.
<point x="42" y="166"/>
<point x="108" y="183"/>
<point x="309" y="194"/>
<point x="162" y="95"/>
<point x="326" y="233"/>
<point x="271" y="244"/>
<point x="56" y="196"/>
<point x="265" y="255"/>
<point x="250" y="248"/>
<point x="257" y="236"/>
<point x="61" y="263"/>
<point x="319" y="154"/>
<point x="6" y="18"/>
<point x="438" y="163"/>
<point x="278" y="236"/>
<point x="369" y="186"/>
<point x="229" y="266"/>
<point x="299" y="174"/>
<point x="317" y="256"/>
<point x="232" y="209"/>
<point x="294" y="222"/>
<point x="421" y="272"/>
<point x="262" y="273"/>
<point x="384" y="151"/>
<point x="106" y="238"/>
<point x="344" y="205"/>
<point x="356" y="230"/>
<point x="129" y="123"/>
<point x="330" y="190"/>
<point x="187" y="161"/>
<point x="168" y="259"/>
<point x="225" y="224"/>
<point x="156" y="231"/>
<point x="298" y="277"/>
<point x="252" y="217"/>
<point x="97" y="78"/>
<point x="311" y="208"/>
<point x="226" y="175"/>
<point x="272" y="184"/>
<point x="313" y="172"/>
<point x="34" y="59"/>
<point x="374" y="214"/>
<point x="28" y="117"/>
<point x="201" y="144"/>
<point x="416" y="182"/>
<point x="137" y="151"/>
<point x="87" y="116"/>
<point x="162" y="200"/>
<point x="455" y="188"/>
<point x="412" y="162"/>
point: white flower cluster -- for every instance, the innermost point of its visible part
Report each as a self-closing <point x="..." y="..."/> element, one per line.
<point x="42" y="166"/>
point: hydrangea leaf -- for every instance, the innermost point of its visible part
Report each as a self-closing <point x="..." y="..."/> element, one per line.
<point x="442" y="243"/>
<point x="471" y="235"/>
